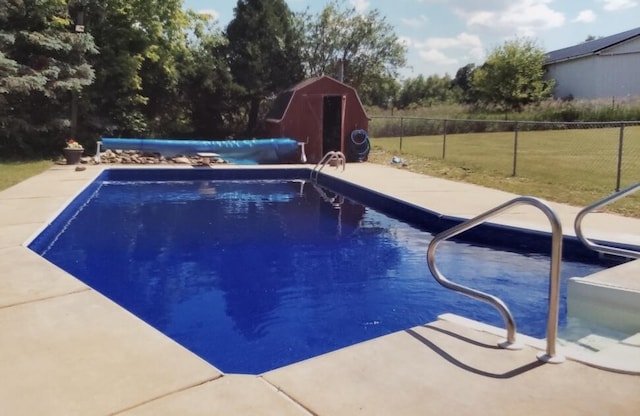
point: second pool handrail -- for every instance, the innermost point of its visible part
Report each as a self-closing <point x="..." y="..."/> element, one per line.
<point x="601" y="248"/>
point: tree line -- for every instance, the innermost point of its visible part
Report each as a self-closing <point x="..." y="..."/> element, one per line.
<point x="84" y="69"/>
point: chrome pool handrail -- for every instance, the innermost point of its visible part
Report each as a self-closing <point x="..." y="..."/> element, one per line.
<point x="601" y="248"/>
<point x="554" y="274"/>
<point x="330" y="156"/>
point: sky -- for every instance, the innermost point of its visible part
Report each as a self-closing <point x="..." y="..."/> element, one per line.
<point x="442" y="36"/>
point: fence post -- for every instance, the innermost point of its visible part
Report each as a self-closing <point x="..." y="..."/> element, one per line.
<point x="444" y="139"/>
<point x="401" y="131"/>
<point x="620" y="143"/>
<point x="515" y="148"/>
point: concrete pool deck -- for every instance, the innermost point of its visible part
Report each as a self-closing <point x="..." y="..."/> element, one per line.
<point x="67" y="350"/>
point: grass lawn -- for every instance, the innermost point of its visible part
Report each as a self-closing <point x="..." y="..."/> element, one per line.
<point x="576" y="167"/>
<point x="13" y="172"/>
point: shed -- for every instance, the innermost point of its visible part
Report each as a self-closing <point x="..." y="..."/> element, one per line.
<point x="323" y="113"/>
<point x="602" y="68"/>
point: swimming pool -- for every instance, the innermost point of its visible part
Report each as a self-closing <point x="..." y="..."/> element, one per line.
<point x="256" y="269"/>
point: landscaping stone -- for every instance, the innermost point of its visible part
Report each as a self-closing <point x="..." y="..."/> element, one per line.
<point x="134" y="157"/>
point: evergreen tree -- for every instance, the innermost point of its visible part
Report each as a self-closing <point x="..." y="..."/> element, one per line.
<point x="462" y="82"/>
<point x="42" y="62"/>
<point x="263" y="52"/>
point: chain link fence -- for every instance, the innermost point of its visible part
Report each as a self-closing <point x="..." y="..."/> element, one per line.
<point x="587" y="155"/>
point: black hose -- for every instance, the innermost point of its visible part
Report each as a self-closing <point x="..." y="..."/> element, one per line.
<point x="360" y="144"/>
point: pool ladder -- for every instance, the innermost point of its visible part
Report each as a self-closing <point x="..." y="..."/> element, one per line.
<point x="336" y="201"/>
<point x="604" y="249"/>
<point x="550" y="355"/>
<point x="329" y="157"/>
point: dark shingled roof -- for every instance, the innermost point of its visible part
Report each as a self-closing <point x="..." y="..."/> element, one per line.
<point x="591" y="47"/>
<point x="279" y="106"/>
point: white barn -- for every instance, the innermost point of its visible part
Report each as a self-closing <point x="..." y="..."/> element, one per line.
<point x="608" y="67"/>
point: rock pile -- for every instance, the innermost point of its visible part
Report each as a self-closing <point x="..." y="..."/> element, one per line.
<point x="134" y="157"/>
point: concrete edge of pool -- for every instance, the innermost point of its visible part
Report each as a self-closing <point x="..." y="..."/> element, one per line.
<point x="68" y="350"/>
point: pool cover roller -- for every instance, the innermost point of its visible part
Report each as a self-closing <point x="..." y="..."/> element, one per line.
<point x="240" y="151"/>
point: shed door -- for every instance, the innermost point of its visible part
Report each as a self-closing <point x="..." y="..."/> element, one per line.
<point x="332" y="124"/>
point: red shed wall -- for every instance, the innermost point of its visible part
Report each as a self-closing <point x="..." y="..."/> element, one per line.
<point x="303" y="119"/>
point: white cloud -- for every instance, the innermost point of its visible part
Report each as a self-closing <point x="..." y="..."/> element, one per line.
<point x="520" y="17"/>
<point x="481" y="18"/>
<point x="585" y="16"/>
<point x="210" y="12"/>
<point x="440" y="51"/>
<point x="434" y="56"/>
<point x="462" y="41"/>
<point x="415" y="22"/>
<point x="360" y="5"/>
<point x="613" y="5"/>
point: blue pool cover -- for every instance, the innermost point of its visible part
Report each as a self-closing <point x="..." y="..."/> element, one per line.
<point x="260" y="151"/>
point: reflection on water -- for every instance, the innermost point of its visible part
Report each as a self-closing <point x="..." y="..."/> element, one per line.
<point x="256" y="275"/>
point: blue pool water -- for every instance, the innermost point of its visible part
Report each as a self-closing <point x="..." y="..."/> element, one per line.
<point x="255" y="275"/>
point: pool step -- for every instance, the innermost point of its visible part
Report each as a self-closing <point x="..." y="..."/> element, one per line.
<point x="581" y="341"/>
<point x="596" y="343"/>
<point x="620" y="356"/>
<point x="610" y="298"/>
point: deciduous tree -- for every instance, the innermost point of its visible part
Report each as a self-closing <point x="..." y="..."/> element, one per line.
<point x="382" y="93"/>
<point x="513" y="76"/>
<point x="424" y="92"/>
<point x="210" y="95"/>
<point x="137" y="75"/>
<point x="365" y="46"/>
